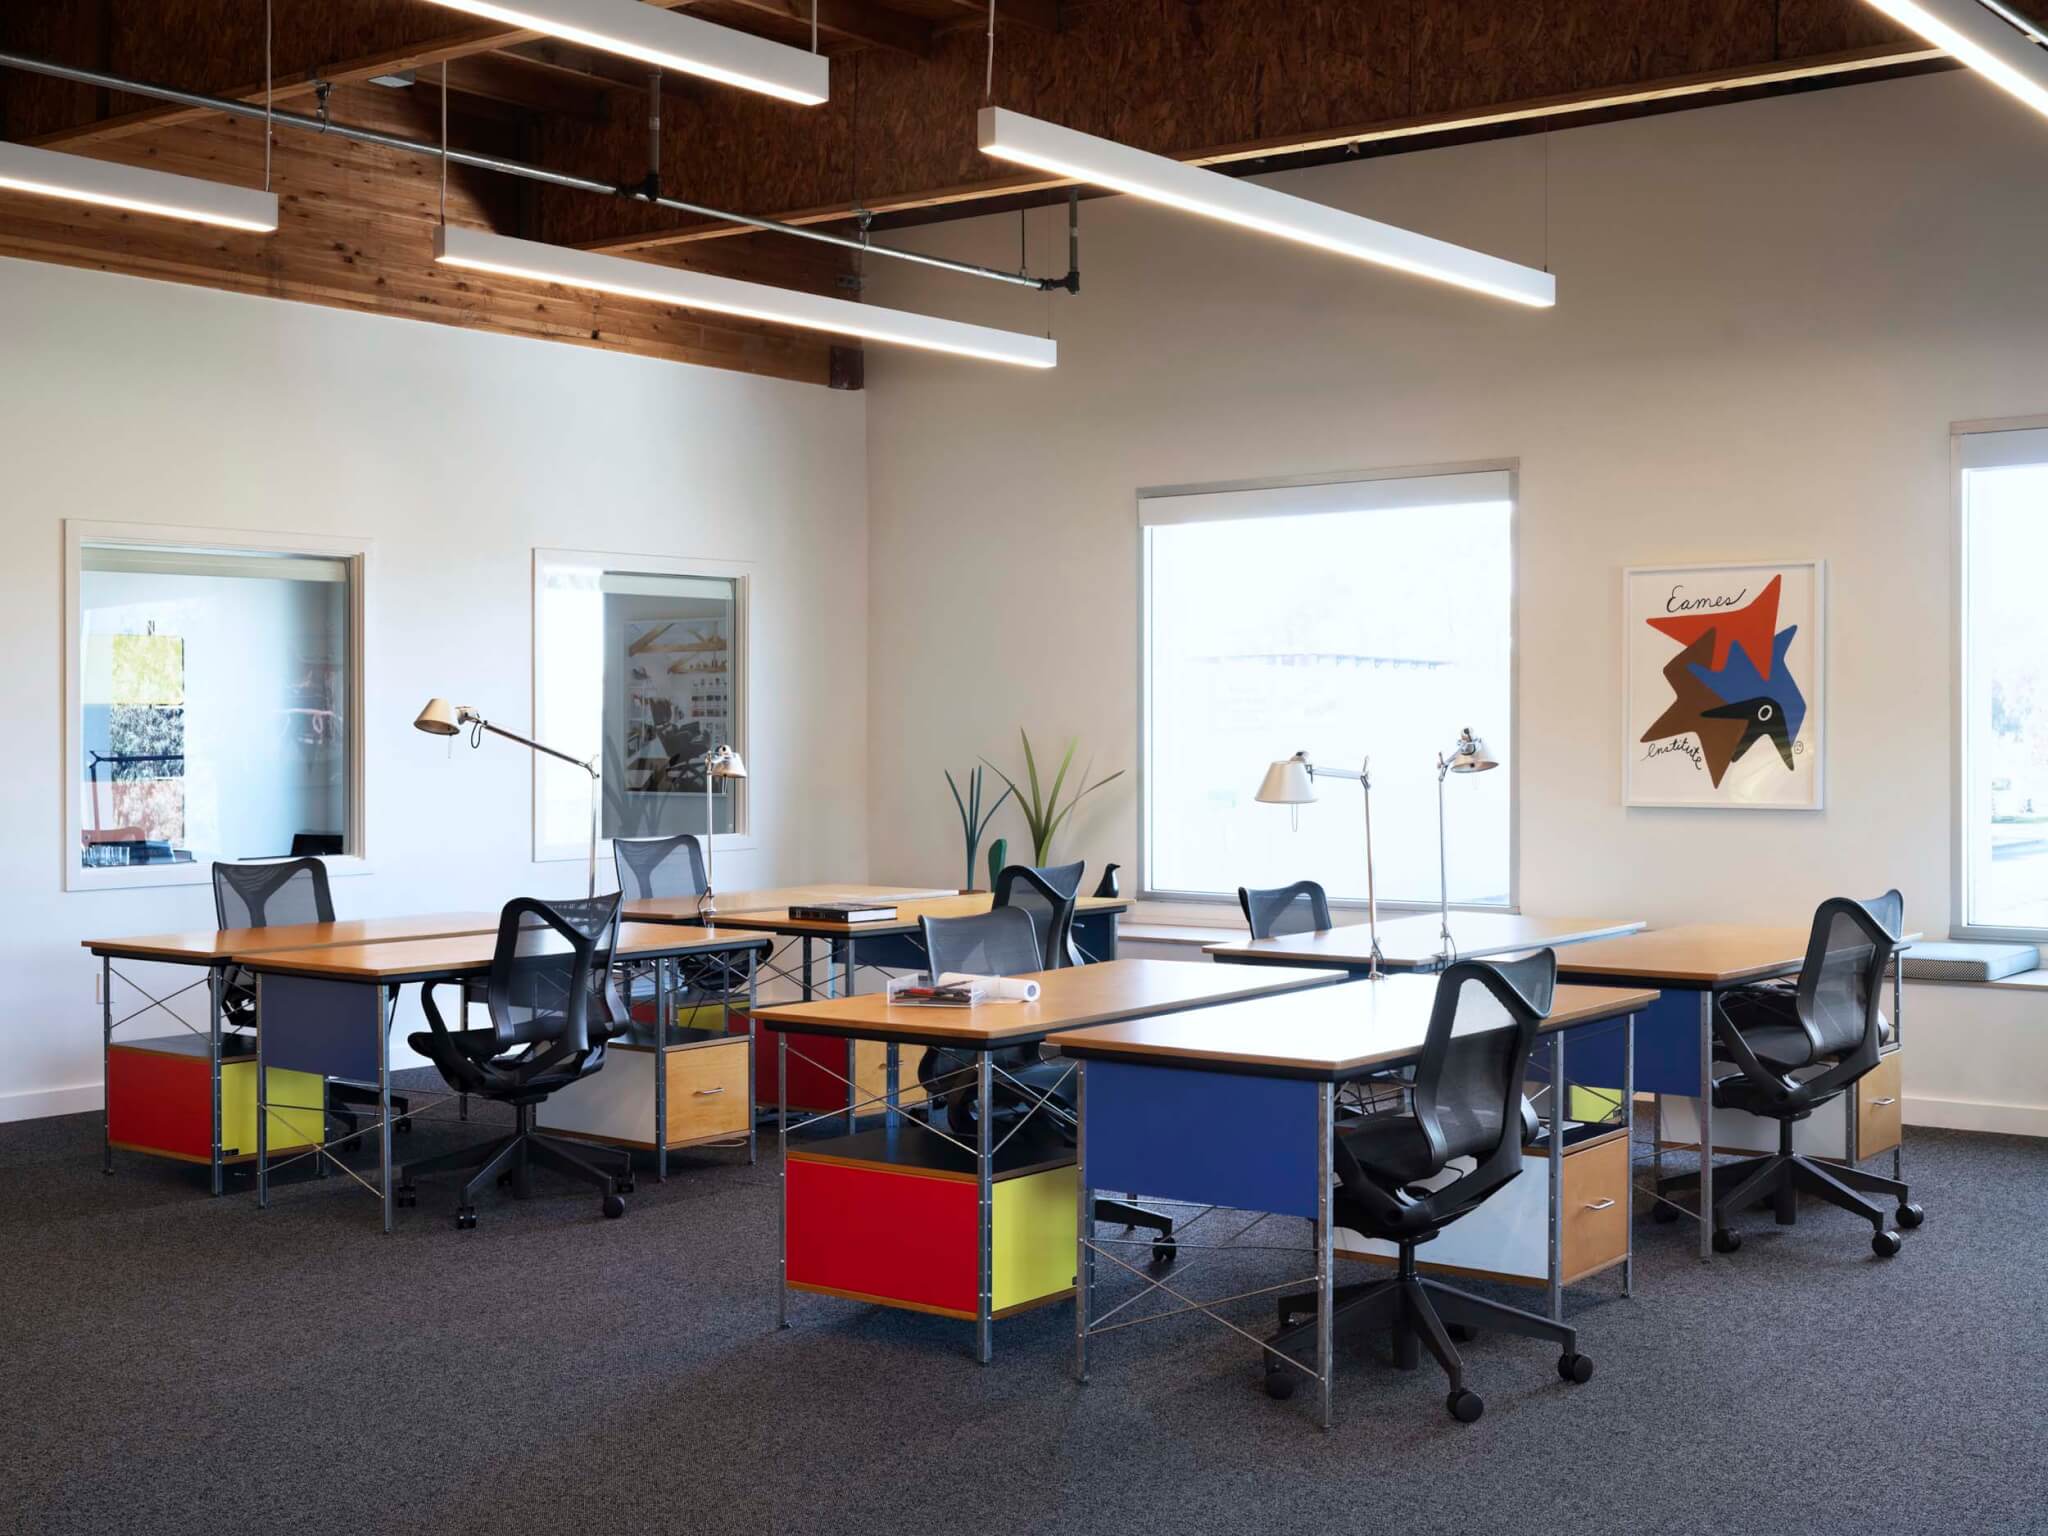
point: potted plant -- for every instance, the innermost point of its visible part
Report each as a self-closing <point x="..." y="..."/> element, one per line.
<point x="1043" y="813"/>
<point x="972" y="822"/>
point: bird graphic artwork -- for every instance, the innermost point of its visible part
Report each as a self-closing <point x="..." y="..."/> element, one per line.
<point x="1731" y="686"/>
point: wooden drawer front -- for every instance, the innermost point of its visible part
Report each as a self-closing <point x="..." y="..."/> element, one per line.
<point x="1877" y="1106"/>
<point x="1595" y="1207"/>
<point x="707" y="1092"/>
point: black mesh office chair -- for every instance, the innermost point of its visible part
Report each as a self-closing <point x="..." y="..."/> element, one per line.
<point x="1065" y="881"/>
<point x="1798" y="1048"/>
<point x="1467" y="1103"/>
<point x="1298" y="908"/>
<point x="276" y="893"/>
<point x="1004" y="942"/>
<point x="552" y="1009"/>
<point x="657" y="868"/>
<point x="1050" y="909"/>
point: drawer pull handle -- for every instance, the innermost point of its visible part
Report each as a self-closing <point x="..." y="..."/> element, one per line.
<point x="705" y="1093"/>
<point x="1880" y="1103"/>
<point x="1599" y="1205"/>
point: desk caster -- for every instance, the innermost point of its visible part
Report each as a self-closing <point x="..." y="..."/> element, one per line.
<point x="1726" y="1241"/>
<point x="1575" y="1368"/>
<point x="465" y="1219"/>
<point x="614" y="1207"/>
<point x="1911" y="1215"/>
<point x="405" y="1197"/>
<point x="1465" y="1405"/>
<point x="1280" y="1381"/>
<point x="1664" y="1213"/>
<point x="1166" y="1250"/>
<point x="1886" y="1244"/>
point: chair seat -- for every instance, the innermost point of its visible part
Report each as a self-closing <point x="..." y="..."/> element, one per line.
<point x="1392" y="1151"/>
<point x="1767" y="1018"/>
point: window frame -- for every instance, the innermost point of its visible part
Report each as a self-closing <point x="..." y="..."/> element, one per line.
<point x="357" y="553"/>
<point x="1211" y="901"/>
<point x="1960" y="927"/>
<point x="741" y="574"/>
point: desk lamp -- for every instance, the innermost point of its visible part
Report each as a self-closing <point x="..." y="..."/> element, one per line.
<point x="1291" y="782"/>
<point x="439" y="718"/>
<point x="721" y="762"/>
<point x="1469" y="755"/>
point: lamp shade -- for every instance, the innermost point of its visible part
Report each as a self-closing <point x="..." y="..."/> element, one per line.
<point x="724" y="763"/>
<point x="437" y="719"/>
<point x="1470" y="755"/>
<point x="1288" y="782"/>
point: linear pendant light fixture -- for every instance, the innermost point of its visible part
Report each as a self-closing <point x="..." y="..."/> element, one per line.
<point x="1998" y="49"/>
<point x="668" y="41"/>
<point x="480" y="251"/>
<point x="1012" y="136"/>
<point x="50" y="173"/>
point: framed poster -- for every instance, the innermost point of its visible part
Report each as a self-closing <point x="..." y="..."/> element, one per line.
<point x="1722" y="675"/>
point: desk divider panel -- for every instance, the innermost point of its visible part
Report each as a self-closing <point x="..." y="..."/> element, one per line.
<point x="311" y="1024"/>
<point x="1211" y="1138"/>
<point x="1667" y="1047"/>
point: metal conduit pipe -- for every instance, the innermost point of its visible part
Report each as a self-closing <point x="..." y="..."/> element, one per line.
<point x="503" y="166"/>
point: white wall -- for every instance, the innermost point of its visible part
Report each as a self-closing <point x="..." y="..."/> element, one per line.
<point x="1769" y="314"/>
<point x="457" y="453"/>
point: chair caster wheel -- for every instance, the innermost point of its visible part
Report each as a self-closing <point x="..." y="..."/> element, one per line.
<point x="614" y="1207"/>
<point x="405" y="1196"/>
<point x="1281" y="1380"/>
<point x="404" y="1125"/>
<point x="1911" y="1215"/>
<point x="1166" y="1250"/>
<point x="624" y="1186"/>
<point x="1465" y="1405"/>
<point x="465" y="1219"/>
<point x="1664" y="1213"/>
<point x="1886" y="1244"/>
<point x="1575" y="1368"/>
<point x="1726" y="1241"/>
<point x="1464" y="1333"/>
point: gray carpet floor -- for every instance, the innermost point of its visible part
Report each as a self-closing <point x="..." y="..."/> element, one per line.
<point x="173" y="1363"/>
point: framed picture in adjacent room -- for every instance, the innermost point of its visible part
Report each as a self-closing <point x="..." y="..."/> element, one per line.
<point x="1723" y="671"/>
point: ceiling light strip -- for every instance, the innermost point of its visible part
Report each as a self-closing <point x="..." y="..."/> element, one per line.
<point x="668" y="41"/>
<point x="1995" y="49"/>
<point x="134" y="189"/>
<point x="1012" y="136"/>
<point x="479" y="250"/>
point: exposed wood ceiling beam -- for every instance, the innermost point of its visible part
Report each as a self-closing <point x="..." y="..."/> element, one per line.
<point x="1852" y="61"/>
<point x="857" y="21"/>
<point x="523" y="83"/>
<point x="1042" y="14"/>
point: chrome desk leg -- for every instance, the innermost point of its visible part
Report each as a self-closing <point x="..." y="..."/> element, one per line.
<point x="852" y="1050"/>
<point x="782" y="1174"/>
<point x="1706" y="1125"/>
<point x="1898" y="1043"/>
<point x="660" y="1072"/>
<point x="385" y="1019"/>
<point x="1084" y="1224"/>
<point x="263" y="1110"/>
<point x="1628" y="1132"/>
<point x="106" y="1063"/>
<point x="803" y="945"/>
<point x="1558" y="1097"/>
<point x="984" y="1167"/>
<point x="214" y="1002"/>
<point x="892" y="1086"/>
<point x="1326" y="1246"/>
<point x="753" y="1030"/>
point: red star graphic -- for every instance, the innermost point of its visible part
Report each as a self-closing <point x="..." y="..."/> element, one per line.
<point x="1751" y="628"/>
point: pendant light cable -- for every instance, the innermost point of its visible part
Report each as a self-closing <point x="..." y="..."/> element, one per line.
<point x="814" y="26"/>
<point x="269" y="92"/>
<point x="989" y="84"/>
<point x="444" y="141"/>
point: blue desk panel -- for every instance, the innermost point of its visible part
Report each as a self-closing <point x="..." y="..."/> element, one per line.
<point x="1667" y="1048"/>
<point x="1210" y="1138"/>
<point x="328" y="1027"/>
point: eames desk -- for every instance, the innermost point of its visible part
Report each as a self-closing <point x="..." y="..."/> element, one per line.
<point x="1235" y="1106"/>
<point x="825" y="1074"/>
<point x="1416" y="943"/>
<point x="910" y="1215"/>
<point x="329" y="1011"/>
<point x="1691" y="965"/>
<point x="164" y="1096"/>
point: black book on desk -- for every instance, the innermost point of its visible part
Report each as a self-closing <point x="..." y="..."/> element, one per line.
<point x="842" y="912"/>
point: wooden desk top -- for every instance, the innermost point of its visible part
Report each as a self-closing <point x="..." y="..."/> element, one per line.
<point x="1692" y="955"/>
<point x="1069" y="999"/>
<point x="204" y="945"/>
<point x="683" y="909"/>
<point x="1333" y="1035"/>
<point x="910" y="914"/>
<point x="1409" y="942"/>
<point x="395" y="961"/>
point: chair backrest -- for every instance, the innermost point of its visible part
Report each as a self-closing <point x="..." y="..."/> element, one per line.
<point x="1108" y="885"/>
<point x="271" y="893"/>
<point x="1298" y="908"/>
<point x="1064" y="878"/>
<point x="551" y="973"/>
<point x="1841" y="984"/>
<point x="1002" y="941"/>
<point x="1051" y="911"/>
<point x="654" y="867"/>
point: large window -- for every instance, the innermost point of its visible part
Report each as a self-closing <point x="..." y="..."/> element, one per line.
<point x="2003" y="796"/>
<point x="213" y="687"/>
<point x="1370" y="617"/>
<point x="645" y="659"/>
